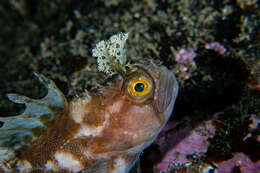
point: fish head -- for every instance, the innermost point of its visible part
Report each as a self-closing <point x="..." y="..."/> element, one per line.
<point x="142" y="107"/>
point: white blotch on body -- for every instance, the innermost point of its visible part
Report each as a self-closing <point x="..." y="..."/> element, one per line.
<point x="67" y="161"/>
<point x="115" y="107"/>
<point x="79" y="109"/>
<point x="50" y="166"/>
<point x="86" y="131"/>
<point x="24" y="166"/>
<point x="120" y="166"/>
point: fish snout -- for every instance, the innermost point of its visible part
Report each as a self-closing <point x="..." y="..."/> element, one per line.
<point x="166" y="91"/>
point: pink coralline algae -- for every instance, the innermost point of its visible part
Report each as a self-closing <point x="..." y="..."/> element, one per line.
<point x="178" y="141"/>
<point x="185" y="56"/>
<point x="185" y="59"/>
<point x="216" y="46"/>
<point x="241" y="161"/>
<point x="195" y="143"/>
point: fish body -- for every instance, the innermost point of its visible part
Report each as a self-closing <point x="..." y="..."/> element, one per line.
<point x="101" y="132"/>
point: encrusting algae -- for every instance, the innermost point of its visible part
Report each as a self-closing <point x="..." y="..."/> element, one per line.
<point x="102" y="132"/>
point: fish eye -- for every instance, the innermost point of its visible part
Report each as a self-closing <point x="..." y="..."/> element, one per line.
<point x="139" y="87"/>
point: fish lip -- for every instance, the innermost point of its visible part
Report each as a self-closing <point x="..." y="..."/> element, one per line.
<point x="166" y="91"/>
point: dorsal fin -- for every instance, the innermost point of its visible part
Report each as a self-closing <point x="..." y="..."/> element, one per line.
<point x="20" y="130"/>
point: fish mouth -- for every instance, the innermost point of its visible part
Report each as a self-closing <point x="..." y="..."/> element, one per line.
<point x="167" y="90"/>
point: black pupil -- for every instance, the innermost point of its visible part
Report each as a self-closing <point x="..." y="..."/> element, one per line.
<point x="139" y="87"/>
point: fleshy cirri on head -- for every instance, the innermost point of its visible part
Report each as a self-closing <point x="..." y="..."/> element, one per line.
<point x="102" y="132"/>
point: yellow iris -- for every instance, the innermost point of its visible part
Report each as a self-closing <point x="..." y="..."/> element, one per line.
<point x="139" y="87"/>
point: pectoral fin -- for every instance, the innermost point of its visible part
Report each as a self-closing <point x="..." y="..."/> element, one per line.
<point x="22" y="129"/>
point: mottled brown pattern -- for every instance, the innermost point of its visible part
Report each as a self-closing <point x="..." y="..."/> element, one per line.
<point x="77" y="147"/>
<point x="95" y="117"/>
<point x="107" y="129"/>
<point x="45" y="147"/>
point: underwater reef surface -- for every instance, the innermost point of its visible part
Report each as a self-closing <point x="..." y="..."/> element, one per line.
<point x="212" y="47"/>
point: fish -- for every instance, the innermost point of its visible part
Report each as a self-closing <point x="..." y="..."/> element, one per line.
<point x="98" y="132"/>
